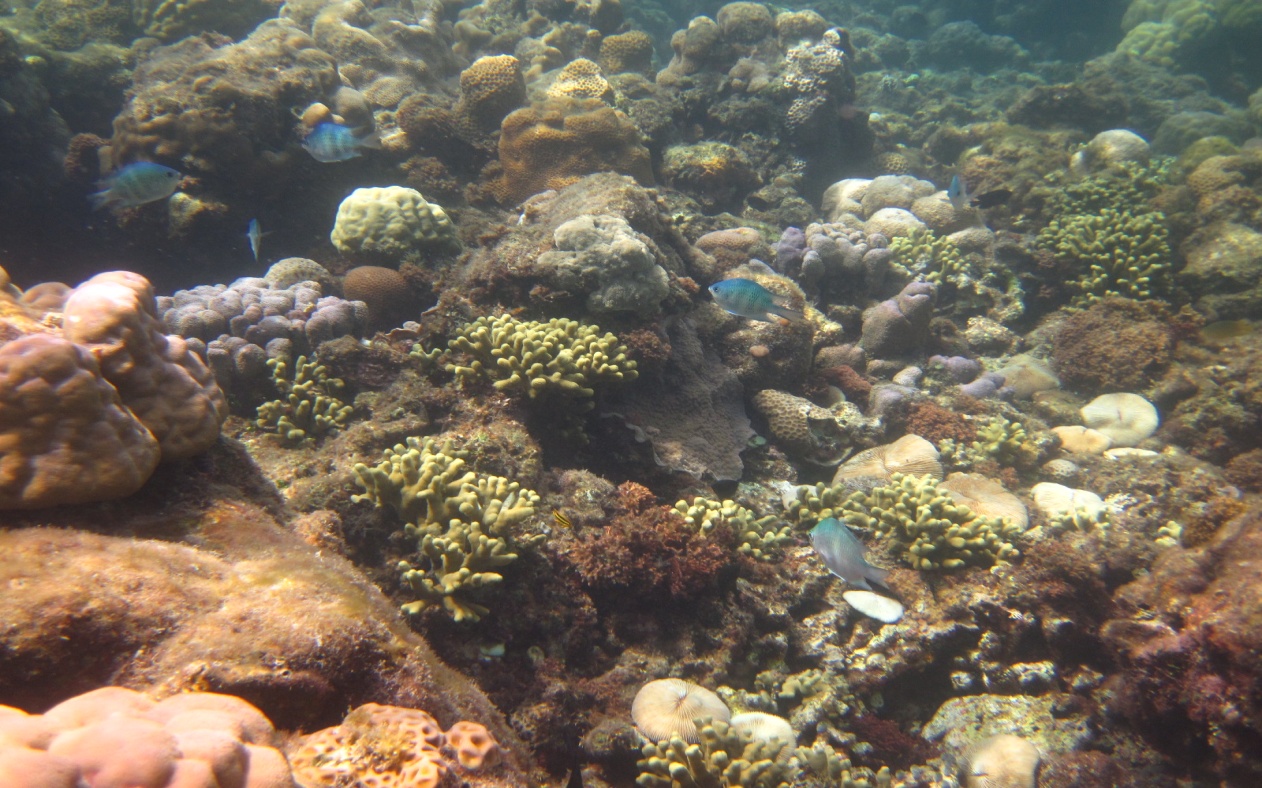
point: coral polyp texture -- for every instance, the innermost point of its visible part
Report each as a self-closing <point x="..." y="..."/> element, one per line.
<point x="391" y="747"/>
<point x="308" y="407"/>
<point x="466" y="525"/>
<point x="94" y="395"/>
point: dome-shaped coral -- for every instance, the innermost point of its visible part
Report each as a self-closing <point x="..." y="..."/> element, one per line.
<point x="490" y="89"/>
<point x="389" y="221"/>
<point x="552" y="146"/>
<point x="581" y="79"/>
<point x="631" y="51"/>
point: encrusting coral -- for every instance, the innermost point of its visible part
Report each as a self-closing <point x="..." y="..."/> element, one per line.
<point x="465" y="524"/>
<point x="390" y="747"/>
<point x="308" y="407"/>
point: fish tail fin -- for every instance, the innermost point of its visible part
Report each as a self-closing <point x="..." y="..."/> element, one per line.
<point x="371" y="140"/>
<point x="100" y="199"/>
<point x="876" y="574"/>
<point x="792" y="315"/>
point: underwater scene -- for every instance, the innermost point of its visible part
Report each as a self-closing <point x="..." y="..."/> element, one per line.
<point x="617" y="393"/>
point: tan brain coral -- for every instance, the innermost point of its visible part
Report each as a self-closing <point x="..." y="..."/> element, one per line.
<point x="490" y="89"/>
<point x="631" y="51"/>
<point x="553" y="146"/>
<point x="389" y="747"/>
<point x="581" y="79"/>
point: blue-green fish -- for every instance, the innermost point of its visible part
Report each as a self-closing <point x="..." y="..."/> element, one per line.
<point x="254" y="234"/>
<point x="335" y="142"/>
<point x="747" y="298"/>
<point x="843" y="554"/>
<point x="136" y="184"/>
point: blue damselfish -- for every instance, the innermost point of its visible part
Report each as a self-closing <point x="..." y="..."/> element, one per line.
<point x="747" y="298"/>
<point x="335" y="142"/>
<point x="136" y="184"/>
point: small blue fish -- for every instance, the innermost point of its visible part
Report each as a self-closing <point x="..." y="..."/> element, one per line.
<point x="957" y="193"/>
<point x="843" y="554"/>
<point x="335" y="142"/>
<point x="255" y="235"/>
<point x="747" y="298"/>
<point x="136" y="184"/>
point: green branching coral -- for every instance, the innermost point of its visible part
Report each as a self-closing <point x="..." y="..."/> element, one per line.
<point x="725" y="758"/>
<point x="1121" y="252"/>
<point x="308" y="407"/>
<point x="560" y="356"/>
<point x="999" y="439"/>
<point x="925" y="526"/>
<point x="465" y="524"/>
<point x="815" y="503"/>
<point x="759" y="537"/>
<point x="934" y="256"/>
<point x="974" y="282"/>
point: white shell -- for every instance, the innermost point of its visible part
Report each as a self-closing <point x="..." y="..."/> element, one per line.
<point x="882" y="608"/>
<point x="765" y="727"/>
<point x="1126" y="418"/>
<point x="1127" y="452"/>
<point x="1056" y="499"/>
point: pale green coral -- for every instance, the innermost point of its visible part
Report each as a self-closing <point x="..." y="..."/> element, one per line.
<point x="934" y="256"/>
<point x="725" y="758"/>
<point x="308" y="406"/>
<point x="758" y="537"/>
<point x="926" y="528"/>
<point x="559" y="356"/>
<point x="976" y="283"/>
<point x="465" y="524"/>
<point x="1124" y="253"/>
<point x="998" y="439"/>
<point x="813" y="503"/>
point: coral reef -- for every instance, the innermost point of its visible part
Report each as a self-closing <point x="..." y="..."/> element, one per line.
<point x="603" y="257"/>
<point x="465" y="525"/>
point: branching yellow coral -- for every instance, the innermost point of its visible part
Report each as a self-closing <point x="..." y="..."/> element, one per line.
<point x="925" y="527"/>
<point x="465" y="524"/>
<point x="559" y="356"/>
<point x="308" y="406"/>
<point x="759" y="537"/>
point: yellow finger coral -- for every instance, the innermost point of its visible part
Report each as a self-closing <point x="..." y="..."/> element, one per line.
<point x="465" y="524"/>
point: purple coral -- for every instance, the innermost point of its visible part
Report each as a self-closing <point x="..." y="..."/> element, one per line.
<point x="959" y="369"/>
<point x="988" y="384"/>
<point x="789" y="251"/>
<point x="900" y="324"/>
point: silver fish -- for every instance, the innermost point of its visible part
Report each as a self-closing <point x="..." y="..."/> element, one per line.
<point x="843" y="554"/>
<point x="255" y="234"/>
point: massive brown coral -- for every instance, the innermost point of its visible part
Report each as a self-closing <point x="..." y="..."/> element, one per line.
<point x="555" y="144"/>
<point x="1116" y="345"/>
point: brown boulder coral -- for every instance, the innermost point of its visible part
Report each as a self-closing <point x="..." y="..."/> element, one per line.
<point x="490" y="89"/>
<point x="1116" y="345"/>
<point x="92" y="396"/>
<point x="557" y="143"/>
